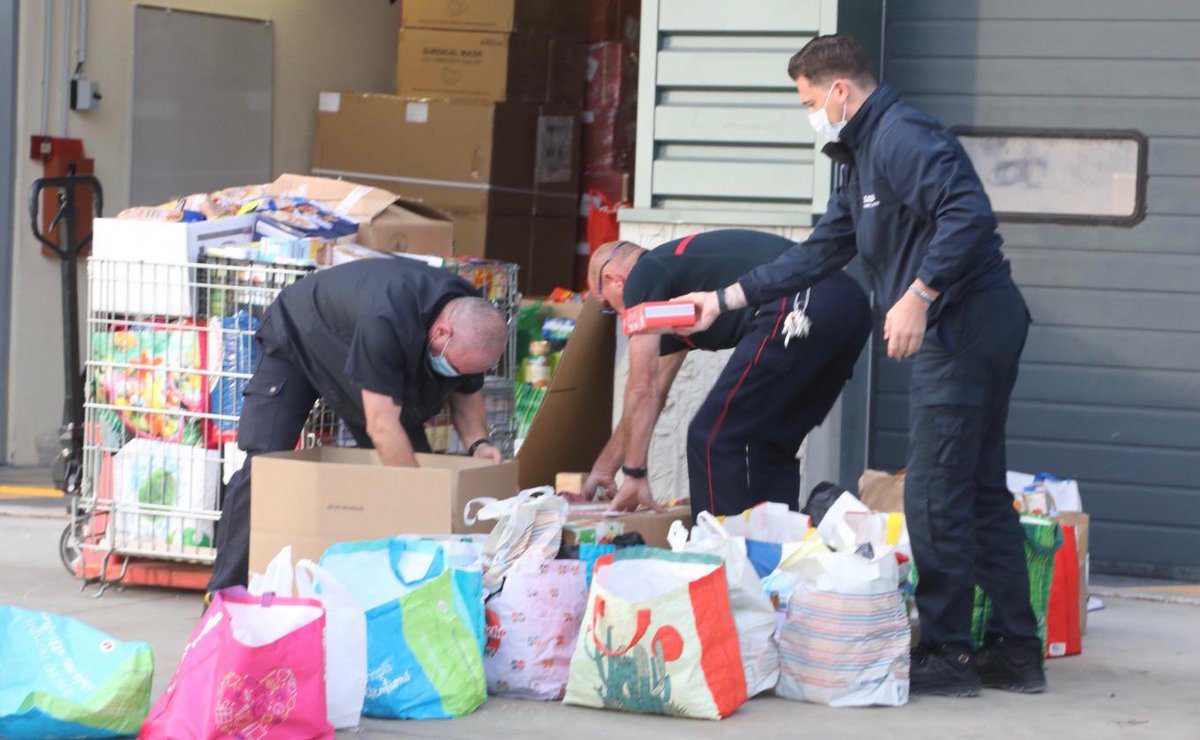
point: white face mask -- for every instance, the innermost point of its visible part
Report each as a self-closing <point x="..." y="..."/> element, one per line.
<point x="819" y="120"/>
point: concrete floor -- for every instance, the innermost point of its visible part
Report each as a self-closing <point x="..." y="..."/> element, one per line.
<point x="1138" y="676"/>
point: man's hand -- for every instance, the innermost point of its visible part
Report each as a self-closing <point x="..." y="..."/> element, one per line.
<point x="707" y="311"/>
<point x="597" y="480"/>
<point x="634" y="494"/>
<point x="487" y="452"/>
<point x="904" y="326"/>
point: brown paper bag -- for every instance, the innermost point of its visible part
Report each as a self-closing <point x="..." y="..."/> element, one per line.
<point x="882" y="491"/>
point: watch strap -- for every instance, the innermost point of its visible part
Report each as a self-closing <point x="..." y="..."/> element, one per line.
<point x="634" y="472"/>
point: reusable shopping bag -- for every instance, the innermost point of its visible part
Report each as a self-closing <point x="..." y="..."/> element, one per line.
<point x="423" y="655"/>
<point x="752" y="610"/>
<point x="345" y="631"/>
<point x="1063" y="628"/>
<point x="533" y="623"/>
<point x="63" y="678"/>
<point x="658" y="637"/>
<point x="529" y="523"/>
<point x="1043" y="538"/>
<point x="846" y="639"/>
<point x="254" y="668"/>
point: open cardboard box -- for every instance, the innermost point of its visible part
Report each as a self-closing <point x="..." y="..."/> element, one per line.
<point x="386" y="221"/>
<point x="575" y="420"/>
<point x="311" y="499"/>
<point x="652" y="525"/>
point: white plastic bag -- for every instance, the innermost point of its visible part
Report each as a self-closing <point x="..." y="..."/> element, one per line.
<point x="345" y="631"/>
<point x="528" y="524"/>
<point x="345" y="643"/>
<point x="833" y="528"/>
<point x="846" y="639"/>
<point x="766" y="522"/>
<point x="752" y="610"/>
<point x="1064" y="493"/>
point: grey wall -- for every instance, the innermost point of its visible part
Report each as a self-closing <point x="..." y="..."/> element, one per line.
<point x="1110" y="381"/>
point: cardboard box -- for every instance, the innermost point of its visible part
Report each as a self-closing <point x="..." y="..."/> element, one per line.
<point x="1082" y="523"/>
<point x="574" y="421"/>
<point x="562" y="19"/>
<point x="566" y="74"/>
<point x="653" y="526"/>
<point x="608" y="139"/>
<point x="119" y="285"/>
<point x="471" y="66"/>
<point x="458" y="156"/>
<point x="612" y="75"/>
<point x="311" y="499"/>
<point x="386" y="222"/>
<point x="542" y="246"/>
<point x="614" y="20"/>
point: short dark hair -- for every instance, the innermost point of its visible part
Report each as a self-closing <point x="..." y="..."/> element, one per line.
<point x="828" y="57"/>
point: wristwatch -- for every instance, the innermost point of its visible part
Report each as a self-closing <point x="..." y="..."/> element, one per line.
<point x="634" y="472"/>
<point x="476" y="445"/>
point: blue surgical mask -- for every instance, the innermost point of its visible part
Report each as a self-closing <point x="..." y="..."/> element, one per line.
<point x="440" y="365"/>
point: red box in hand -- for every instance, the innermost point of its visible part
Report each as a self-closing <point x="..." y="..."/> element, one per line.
<point x="659" y="317"/>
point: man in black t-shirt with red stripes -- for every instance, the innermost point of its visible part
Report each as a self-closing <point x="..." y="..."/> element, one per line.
<point x="743" y="441"/>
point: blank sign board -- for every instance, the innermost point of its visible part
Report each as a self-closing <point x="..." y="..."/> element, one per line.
<point x="202" y="87"/>
<point x="1078" y="176"/>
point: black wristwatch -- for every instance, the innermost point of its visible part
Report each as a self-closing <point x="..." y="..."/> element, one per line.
<point x="634" y="472"/>
<point x="722" y="306"/>
<point x="476" y="445"/>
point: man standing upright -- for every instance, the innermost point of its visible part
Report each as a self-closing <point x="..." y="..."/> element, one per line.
<point x="910" y="203"/>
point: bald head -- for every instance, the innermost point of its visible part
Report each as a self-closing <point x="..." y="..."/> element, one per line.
<point x="608" y="269"/>
<point x="471" y="332"/>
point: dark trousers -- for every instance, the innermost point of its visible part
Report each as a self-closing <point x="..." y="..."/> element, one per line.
<point x="743" y="441"/>
<point x="277" y="402"/>
<point x="959" y="512"/>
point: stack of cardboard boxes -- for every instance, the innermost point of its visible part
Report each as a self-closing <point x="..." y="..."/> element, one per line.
<point x="610" y="107"/>
<point x="485" y="125"/>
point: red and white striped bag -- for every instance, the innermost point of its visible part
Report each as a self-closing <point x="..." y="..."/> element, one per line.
<point x="846" y="639"/>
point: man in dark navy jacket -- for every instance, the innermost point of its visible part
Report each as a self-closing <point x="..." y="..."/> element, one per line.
<point x="910" y="203"/>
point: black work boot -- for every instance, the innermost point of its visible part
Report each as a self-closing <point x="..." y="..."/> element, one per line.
<point x="1011" y="665"/>
<point x="946" y="671"/>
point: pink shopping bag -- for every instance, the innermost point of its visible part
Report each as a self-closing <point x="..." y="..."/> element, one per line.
<point x="254" y="668"/>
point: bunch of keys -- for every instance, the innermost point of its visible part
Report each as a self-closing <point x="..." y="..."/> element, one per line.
<point x="797" y="324"/>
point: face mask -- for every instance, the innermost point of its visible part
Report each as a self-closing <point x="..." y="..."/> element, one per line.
<point x="821" y="124"/>
<point x="440" y="365"/>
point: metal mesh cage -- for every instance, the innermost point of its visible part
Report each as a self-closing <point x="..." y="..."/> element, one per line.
<point x="170" y="348"/>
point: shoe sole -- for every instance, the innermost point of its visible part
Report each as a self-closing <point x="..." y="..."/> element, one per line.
<point x="949" y="693"/>
<point x="1017" y="688"/>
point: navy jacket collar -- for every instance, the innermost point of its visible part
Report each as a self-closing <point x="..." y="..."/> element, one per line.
<point x="865" y="121"/>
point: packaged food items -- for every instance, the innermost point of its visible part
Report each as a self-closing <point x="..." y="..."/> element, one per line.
<point x="558" y="329"/>
<point x="539" y="371"/>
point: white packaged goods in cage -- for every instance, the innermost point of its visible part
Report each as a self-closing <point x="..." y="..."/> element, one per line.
<point x="144" y="265"/>
<point x="160" y="488"/>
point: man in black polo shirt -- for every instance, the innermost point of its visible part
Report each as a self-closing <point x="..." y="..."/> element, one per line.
<point x="742" y="443"/>
<point x="385" y="342"/>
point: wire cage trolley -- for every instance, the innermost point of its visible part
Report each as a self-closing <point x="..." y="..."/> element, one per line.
<point x="170" y="348"/>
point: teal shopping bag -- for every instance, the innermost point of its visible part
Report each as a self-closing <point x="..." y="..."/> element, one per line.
<point x="63" y="678"/>
<point x="424" y="620"/>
